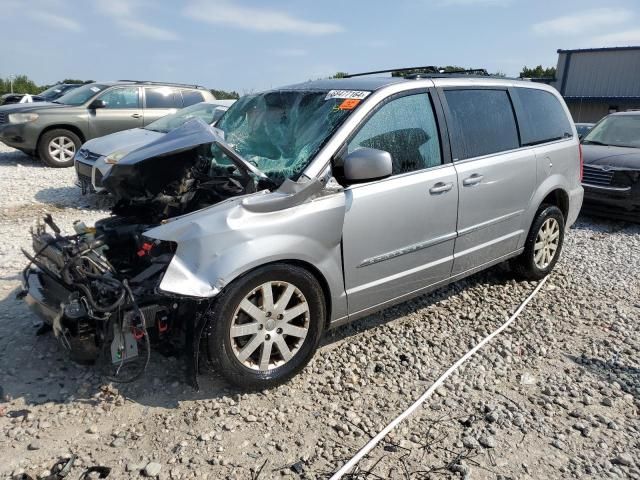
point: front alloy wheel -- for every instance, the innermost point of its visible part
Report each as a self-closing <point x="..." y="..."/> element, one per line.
<point x="57" y="147"/>
<point x="269" y="326"/>
<point x="61" y="149"/>
<point x="266" y="325"/>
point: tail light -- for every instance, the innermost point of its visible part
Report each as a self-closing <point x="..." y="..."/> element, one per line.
<point x="581" y="161"/>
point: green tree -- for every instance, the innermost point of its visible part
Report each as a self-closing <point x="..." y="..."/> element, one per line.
<point x="538" y="72"/>
<point x="21" y="84"/>
<point x="225" y="95"/>
<point x="340" y="75"/>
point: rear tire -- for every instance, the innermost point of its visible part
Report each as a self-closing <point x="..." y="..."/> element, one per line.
<point x="543" y="245"/>
<point x="265" y="327"/>
<point x="57" y="147"/>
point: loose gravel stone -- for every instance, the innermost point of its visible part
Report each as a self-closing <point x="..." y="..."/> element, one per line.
<point x="152" y="469"/>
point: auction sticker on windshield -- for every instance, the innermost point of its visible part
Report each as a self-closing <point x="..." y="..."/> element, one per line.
<point x="345" y="94"/>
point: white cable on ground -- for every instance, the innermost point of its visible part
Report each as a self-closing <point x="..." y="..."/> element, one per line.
<point x="383" y="433"/>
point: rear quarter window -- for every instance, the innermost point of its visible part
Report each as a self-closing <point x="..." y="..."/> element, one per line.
<point x="162" y="97"/>
<point x="542" y="117"/>
<point x="482" y="122"/>
<point x="191" y="97"/>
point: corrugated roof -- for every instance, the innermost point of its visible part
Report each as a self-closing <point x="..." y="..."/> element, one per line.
<point x="607" y="73"/>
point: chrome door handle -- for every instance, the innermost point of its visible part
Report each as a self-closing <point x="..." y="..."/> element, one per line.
<point x="474" y="179"/>
<point x="440" y="187"/>
<point x="136" y="115"/>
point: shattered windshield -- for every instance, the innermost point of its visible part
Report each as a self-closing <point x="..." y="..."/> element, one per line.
<point x="208" y="112"/>
<point x="280" y="131"/>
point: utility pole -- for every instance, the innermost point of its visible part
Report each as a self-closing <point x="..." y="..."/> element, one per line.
<point x="11" y="77"/>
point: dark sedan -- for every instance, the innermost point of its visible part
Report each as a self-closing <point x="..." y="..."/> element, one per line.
<point x="49" y="95"/>
<point x="612" y="167"/>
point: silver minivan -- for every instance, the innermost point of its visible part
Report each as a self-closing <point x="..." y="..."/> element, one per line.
<point x="331" y="199"/>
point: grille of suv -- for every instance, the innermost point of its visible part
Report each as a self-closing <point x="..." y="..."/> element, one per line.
<point x="3" y="118"/>
<point x="596" y="176"/>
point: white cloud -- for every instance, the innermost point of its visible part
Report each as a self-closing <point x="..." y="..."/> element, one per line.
<point x="583" y="22"/>
<point x="125" y="16"/>
<point x="56" y="21"/>
<point x="139" y="29"/>
<point x="617" y="39"/>
<point x="223" y="12"/>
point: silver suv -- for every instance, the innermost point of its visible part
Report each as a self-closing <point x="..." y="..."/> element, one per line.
<point x="308" y="207"/>
<point x="55" y="130"/>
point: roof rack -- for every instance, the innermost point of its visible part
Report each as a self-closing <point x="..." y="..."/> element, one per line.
<point x="430" y="68"/>
<point x="424" y="72"/>
<point x="171" y="84"/>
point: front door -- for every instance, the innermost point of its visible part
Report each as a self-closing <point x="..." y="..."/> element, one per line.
<point x="399" y="233"/>
<point x="122" y="111"/>
<point x="496" y="177"/>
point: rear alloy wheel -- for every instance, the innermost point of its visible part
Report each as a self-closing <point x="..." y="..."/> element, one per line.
<point x="543" y="245"/>
<point x="546" y="244"/>
<point x="265" y="327"/>
<point x="58" y="147"/>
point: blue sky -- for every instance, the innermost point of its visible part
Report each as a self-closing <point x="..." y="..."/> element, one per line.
<point x="249" y="45"/>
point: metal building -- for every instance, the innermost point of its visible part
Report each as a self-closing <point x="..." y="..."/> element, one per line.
<point x="597" y="81"/>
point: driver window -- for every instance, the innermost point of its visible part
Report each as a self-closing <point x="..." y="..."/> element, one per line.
<point x="127" y="97"/>
<point x="406" y="128"/>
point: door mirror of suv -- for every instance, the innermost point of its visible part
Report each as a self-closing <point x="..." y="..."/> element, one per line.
<point x="367" y="164"/>
<point x="97" y="104"/>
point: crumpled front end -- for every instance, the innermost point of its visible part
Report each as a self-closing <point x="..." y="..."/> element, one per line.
<point x="97" y="291"/>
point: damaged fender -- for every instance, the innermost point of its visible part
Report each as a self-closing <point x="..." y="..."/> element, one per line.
<point x="222" y="242"/>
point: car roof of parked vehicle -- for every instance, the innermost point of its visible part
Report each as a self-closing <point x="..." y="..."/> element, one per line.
<point x="628" y="113"/>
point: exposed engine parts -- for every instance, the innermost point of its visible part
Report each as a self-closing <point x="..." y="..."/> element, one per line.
<point x="97" y="291"/>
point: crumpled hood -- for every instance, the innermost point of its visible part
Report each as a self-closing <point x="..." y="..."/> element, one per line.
<point x="147" y="169"/>
<point x="124" y="141"/>
<point x="616" y="157"/>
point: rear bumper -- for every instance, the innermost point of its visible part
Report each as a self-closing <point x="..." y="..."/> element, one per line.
<point x="576" y="197"/>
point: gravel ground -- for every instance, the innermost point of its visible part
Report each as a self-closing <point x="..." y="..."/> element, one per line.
<point x="555" y="396"/>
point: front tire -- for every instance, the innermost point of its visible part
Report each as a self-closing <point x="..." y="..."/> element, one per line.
<point x="265" y="327"/>
<point x="543" y="245"/>
<point x="58" y="147"/>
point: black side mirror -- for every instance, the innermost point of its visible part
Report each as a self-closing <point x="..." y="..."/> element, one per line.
<point x="97" y="104"/>
<point x="367" y="164"/>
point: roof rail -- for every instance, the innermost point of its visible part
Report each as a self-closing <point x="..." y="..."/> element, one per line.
<point x="170" y="84"/>
<point x="424" y="72"/>
<point x="430" y="68"/>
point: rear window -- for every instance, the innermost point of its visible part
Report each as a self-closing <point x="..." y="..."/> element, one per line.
<point x="162" y="97"/>
<point x="482" y="122"/>
<point x="544" y="119"/>
<point x="191" y="97"/>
